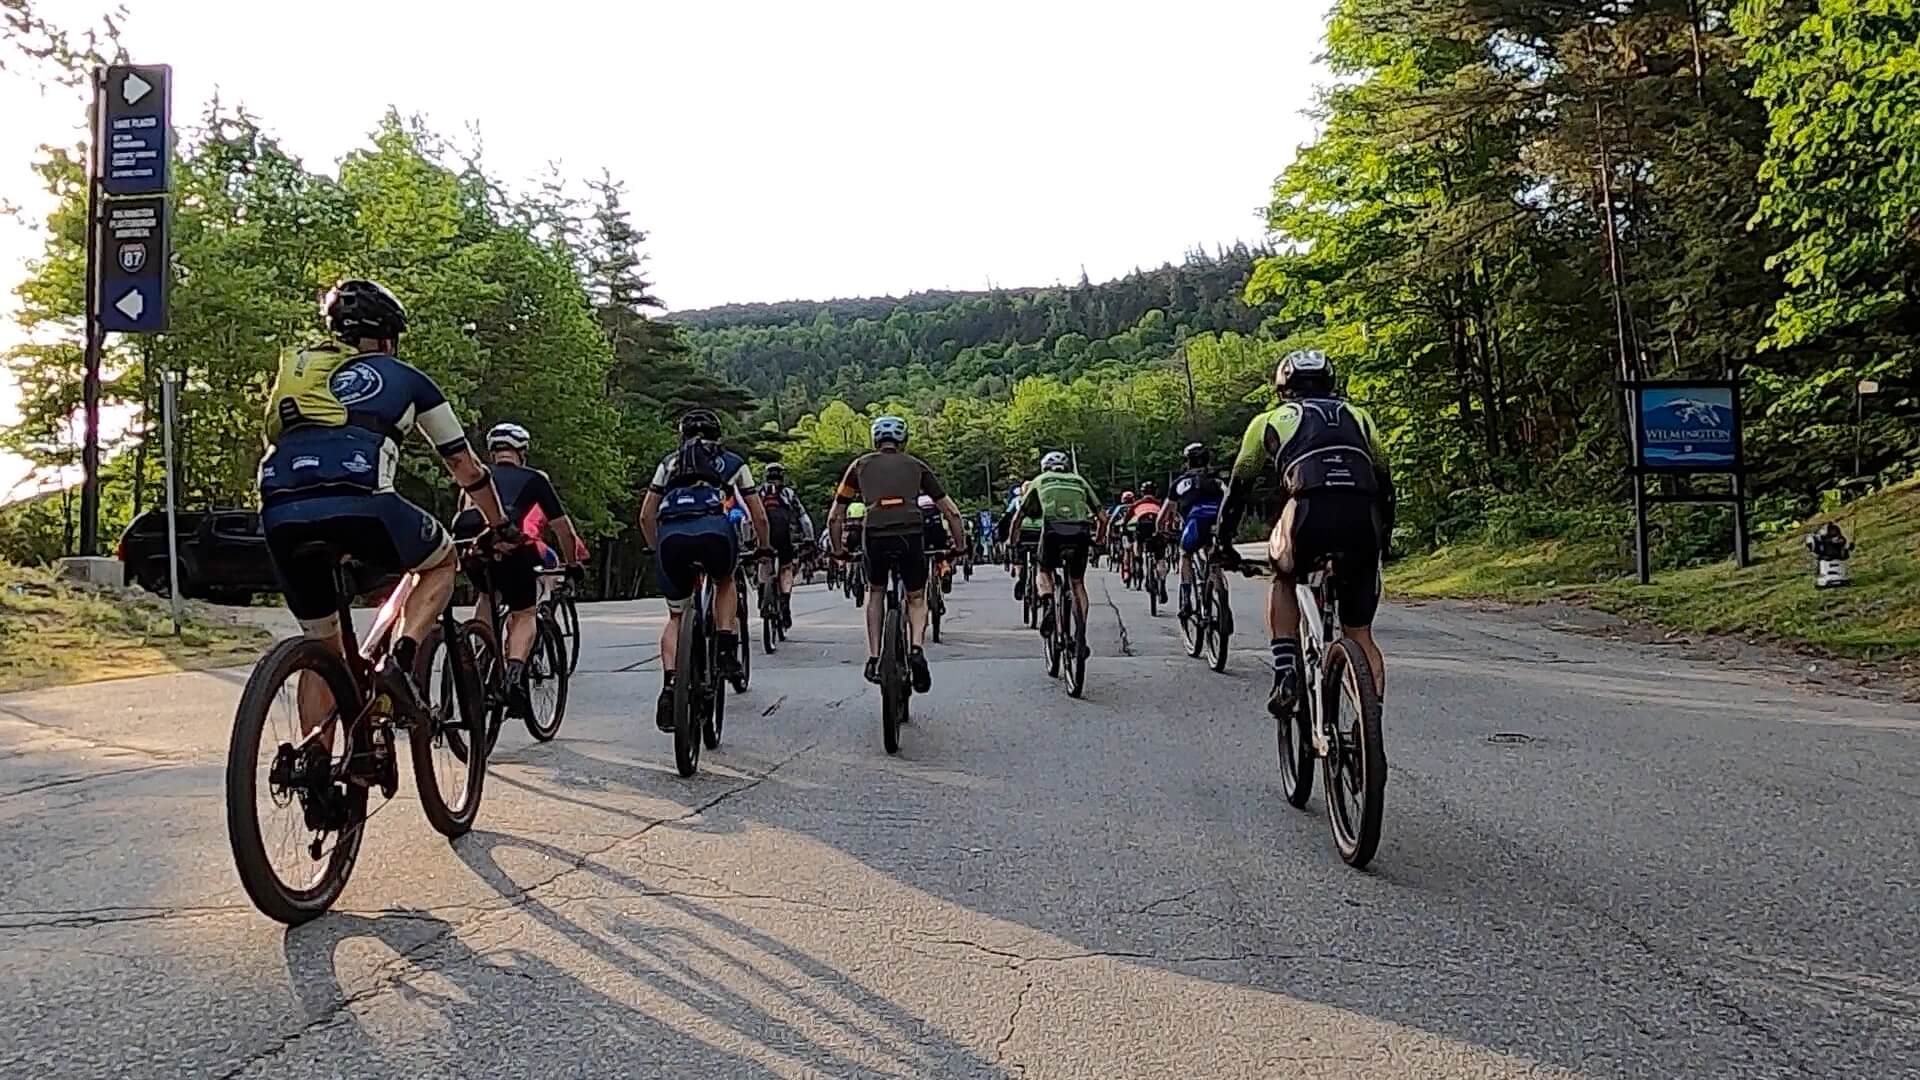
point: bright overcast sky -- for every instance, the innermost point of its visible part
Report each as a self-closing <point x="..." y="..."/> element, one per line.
<point x="779" y="150"/>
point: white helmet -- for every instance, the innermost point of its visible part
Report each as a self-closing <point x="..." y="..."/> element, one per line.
<point x="926" y="502"/>
<point x="510" y="437"/>
<point x="889" y="429"/>
<point x="1309" y="366"/>
<point x="1055" y="462"/>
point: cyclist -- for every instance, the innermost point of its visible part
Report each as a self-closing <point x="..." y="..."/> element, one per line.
<point x="1142" y="524"/>
<point x="784" y="517"/>
<point x="685" y="521"/>
<point x="530" y="502"/>
<point x="1339" y="491"/>
<point x="1197" y="494"/>
<point x="934" y="537"/>
<point x="889" y="481"/>
<point x="1117" y="528"/>
<point x="335" y="419"/>
<point x="1069" y="514"/>
<point x="1024" y="534"/>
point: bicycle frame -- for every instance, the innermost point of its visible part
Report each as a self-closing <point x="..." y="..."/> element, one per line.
<point x="1318" y="626"/>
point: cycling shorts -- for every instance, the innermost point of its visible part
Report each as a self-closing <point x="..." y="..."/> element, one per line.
<point x="512" y="576"/>
<point x="1066" y="543"/>
<point x="1343" y="526"/>
<point x="903" y="555"/>
<point x="1196" y="531"/>
<point x="382" y="531"/>
<point x="852" y="535"/>
<point x="689" y="546"/>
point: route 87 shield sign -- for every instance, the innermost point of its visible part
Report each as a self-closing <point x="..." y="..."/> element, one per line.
<point x="133" y="256"/>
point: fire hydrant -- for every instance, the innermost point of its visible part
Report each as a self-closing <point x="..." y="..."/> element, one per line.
<point x="1830" y="552"/>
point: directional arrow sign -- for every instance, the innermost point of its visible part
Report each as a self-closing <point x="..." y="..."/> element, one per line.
<point x="135" y="130"/>
<point x="133" y="263"/>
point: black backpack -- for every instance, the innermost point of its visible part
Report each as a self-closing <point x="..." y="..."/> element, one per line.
<point x="697" y="479"/>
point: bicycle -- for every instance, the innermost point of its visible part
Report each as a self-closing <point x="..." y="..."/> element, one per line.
<point x="896" y="684"/>
<point x="699" y="693"/>
<point x="1156" y="581"/>
<point x="1353" y="757"/>
<point x="936" y="599"/>
<point x="1063" y="613"/>
<point x="742" y="575"/>
<point x="331" y="768"/>
<point x="1209" y="624"/>
<point x="547" y="672"/>
<point x="1024" y="588"/>
<point x="773" y="610"/>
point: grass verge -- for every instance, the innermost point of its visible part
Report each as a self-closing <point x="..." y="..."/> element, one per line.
<point x="1876" y="619"/>
<point x="54" y="632"/>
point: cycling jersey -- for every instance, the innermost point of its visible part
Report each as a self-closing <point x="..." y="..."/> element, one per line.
<point x="697" y="479"/>
<point x="1059" y="497"/>
<point x="1320" y="444"/>
<point x="352" y="444"/>
<point x="890" y="482"/>
<point x="856" y="510"/>
<point x="1195" y="488"/>
<point x="526" y="495"/>
<point x="1143" y="510"/>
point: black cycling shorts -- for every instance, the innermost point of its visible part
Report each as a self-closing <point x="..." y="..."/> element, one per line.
<point x="903" y="555"/>
<point x="780" y="535"/>
<point x="382" y="531"/>
<point x="1343" y="526"/>
<point x="1066" y="544"/>
<point x="511" y="577"/>
<point x="852" y="535"/>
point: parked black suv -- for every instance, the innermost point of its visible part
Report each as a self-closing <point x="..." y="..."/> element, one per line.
<point x="223" y="554"/>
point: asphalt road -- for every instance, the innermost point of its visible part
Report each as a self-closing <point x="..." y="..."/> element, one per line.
<point x="1600" y="860"/>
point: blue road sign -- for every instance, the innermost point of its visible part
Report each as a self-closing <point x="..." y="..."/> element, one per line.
<point x="1688" y="427"/>
<point x="135" y="130"/>
<point x="133" y="261"/>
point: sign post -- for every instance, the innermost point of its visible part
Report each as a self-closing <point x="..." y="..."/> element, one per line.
<point x="169" y="380"/>
<point x="128" y="257"/>
<point x="1683" y="428"/>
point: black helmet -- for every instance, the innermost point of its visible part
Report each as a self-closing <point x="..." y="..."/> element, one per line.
<point x="357" y="309"/>
<point x="1307" y="371"/>
<point x="699" y="424"/>
<point x="1147" y="489"/>
<point x="1197" y="455"/>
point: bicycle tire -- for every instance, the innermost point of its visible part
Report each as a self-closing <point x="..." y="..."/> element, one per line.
<point x="569" y="615"/>
<point x="1195" y="628"/>
<point x="716" y="713"/>
<point x="493" y="685"/>
<point x="1295" y="747"/>
<point x="893" y="679"/>
<point x="1153" y="601"/>
<point x="547" y="637"/>
<point x="292" y="906"/>
<point x="457" y="705"/>
<point x="740" y="624"/>
<point x="1076" y="639"/>
<point x="936" y="609"/>
<point x="1050" y="646"/>
<point x="1356" y="835"/>
<point x="1219" y="629"/>
<point x="686" y="692"/>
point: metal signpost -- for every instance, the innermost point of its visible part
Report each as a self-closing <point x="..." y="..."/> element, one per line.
<point x="1683" y="428"/>
<point x="128" y="257"/>
<point x="168" y="380"/>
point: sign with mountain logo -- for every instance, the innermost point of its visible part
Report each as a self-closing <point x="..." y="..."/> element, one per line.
<point x="1688" y="428"/>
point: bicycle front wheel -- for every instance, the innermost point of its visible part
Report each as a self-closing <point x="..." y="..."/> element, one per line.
<point x="446" y="770"/>
<point x="1219" y="630"/>
<point x="294" y="868"/>
<point x="547" y="682"/>
<point x="1356" y="765"/>
<point x="689" y="671"/>
<point x="893" y="679"/>
<point x="1076" y="646"/>
<point x="569" y="615"/>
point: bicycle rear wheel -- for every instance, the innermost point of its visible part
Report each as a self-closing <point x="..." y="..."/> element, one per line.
<point x="1356" y="766"/>
<point x="893" y="679"/>
<point x="1295" y="739"/>
<point x="268" y="717"/>
<point x="689" y="670"/>
<point x="493" y="687"/>
<point x="1075" y="646"/>
<point x="716" y="714"/>
<point x="740" y="625"/>
<point x="1219" y="629"/>
<point x="448" y="775"/>
<point x="547" y="681"/>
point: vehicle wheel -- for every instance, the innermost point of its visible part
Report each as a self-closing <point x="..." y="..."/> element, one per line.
<point x="716" y="718"/>
<point x="268" y="718"/>
<point x="740" y="625"/>
<point x="1217" y="648"/>
<point x="1153" y="602"/>
<point x="547" y="682"/>
<point x="448" y="775"/>
<point x="893" y="681"/>
<point x="1194" y="629"/>
<point x="934" y="611"/>
<point x="1356" y="767"/>
<point x="1296" y="756"/>
<point x="687" y="691"/>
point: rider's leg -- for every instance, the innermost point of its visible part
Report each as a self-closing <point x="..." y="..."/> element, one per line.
<point x="1376" y="663"/>
<point x="520" y="627"/>
<point x="1283" y="613"/>
<point x="428" y="599"/>
<point x="917" y="617"/>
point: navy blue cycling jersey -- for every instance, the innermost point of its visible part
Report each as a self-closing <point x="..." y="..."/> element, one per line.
<point x="1195" y="488"/>
<point x="701" y="484"/>
<point x="521" y="491"/>
<point x="384" y="399"/>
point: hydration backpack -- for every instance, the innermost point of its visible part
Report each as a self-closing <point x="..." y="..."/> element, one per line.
<point x="302" y="393"/>
<point x="697" y="479"/>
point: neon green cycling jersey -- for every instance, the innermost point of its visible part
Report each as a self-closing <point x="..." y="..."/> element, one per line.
<point x="1312" y="445"/>
<point x="1059" y="498"/>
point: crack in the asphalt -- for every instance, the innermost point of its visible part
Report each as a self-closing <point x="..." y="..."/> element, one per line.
<point x="381" y="980"/>
<point x="88" y="778"/>
<point x="83" y="918"/>
<point x="1013" y="1022"/>
<point x="1106" y="593"/>
<point x="99" y="744"/>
